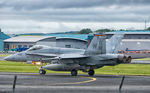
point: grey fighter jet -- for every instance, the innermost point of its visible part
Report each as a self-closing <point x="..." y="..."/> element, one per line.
<point x="95" y="56"/>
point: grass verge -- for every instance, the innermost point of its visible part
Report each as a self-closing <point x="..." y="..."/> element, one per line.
<point x="126" y="69"/>
<point x="4" y="55"/>
<point x="143" y="59"/>
<point x="122" y="69"/>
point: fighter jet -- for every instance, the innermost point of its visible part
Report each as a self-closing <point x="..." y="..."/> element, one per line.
<point x="69" y="59"/>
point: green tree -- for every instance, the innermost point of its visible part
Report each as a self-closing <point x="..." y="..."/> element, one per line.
<point x="148" y="28"/>
<point x="122" y="30"/>
<point x="103" y="30"/>
<point x="85" y="31"/>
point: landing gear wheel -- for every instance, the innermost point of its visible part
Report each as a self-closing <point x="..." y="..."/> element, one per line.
<point x="129" y="59"/>
<point x="124" y="59"/>
<point x="74" y="72"/>
<point x="42" y="71"/>
<point x="91" y="72"/>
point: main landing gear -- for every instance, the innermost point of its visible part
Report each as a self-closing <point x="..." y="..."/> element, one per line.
<point x="74" y="72"/>
<point x="91" y="72"/>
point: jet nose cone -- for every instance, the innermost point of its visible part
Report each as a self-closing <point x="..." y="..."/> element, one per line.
<point x="8" y="58"/>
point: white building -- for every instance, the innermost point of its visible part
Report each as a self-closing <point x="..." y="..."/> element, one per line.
<point x="29" y="41"/>
<point x="134" y="40"/>
<point x="71" y="43"/>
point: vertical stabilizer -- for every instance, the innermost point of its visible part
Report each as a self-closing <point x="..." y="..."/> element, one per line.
<point x="97" y="45"/>
<point x="113" y="43"/>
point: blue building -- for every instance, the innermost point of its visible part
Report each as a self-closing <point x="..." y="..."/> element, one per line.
<point x="76" y="36"/>
<point x="2" y="37"/>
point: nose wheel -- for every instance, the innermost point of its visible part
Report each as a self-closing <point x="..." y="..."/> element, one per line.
<point x="42" y="71"/>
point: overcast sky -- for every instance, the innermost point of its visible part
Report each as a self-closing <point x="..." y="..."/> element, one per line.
<point x="50" y="16"/>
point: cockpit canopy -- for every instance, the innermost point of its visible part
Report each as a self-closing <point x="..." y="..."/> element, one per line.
<point x="37" y="47"/>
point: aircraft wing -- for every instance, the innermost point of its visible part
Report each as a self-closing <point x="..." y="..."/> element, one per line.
<point x="65" y="56"/>
<point x="42" y="54"/>
<point x="72" y="56"/>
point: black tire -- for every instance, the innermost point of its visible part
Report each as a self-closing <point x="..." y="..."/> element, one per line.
<point x="129" y="59"/>
<point x="42" y="71"/>
<point x="124" y="60"/>
<point x="91" y="72"/>
<point x="74" y="72"/>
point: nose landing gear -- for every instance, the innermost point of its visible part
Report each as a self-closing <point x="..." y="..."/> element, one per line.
<point x="42" y="71"/>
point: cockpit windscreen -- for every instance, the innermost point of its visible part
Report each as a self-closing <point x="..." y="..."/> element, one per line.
<point x="35" y="48"/>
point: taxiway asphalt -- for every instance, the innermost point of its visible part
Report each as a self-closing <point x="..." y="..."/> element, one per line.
<point x="64" y="83"/>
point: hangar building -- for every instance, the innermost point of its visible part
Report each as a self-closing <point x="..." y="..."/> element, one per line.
<point x="29" y="41"/>
<point x="76" y="36"/>
<point x="78" y="41"/>
<point x="2" y="37"/>
<point x="71" y="43"/>
<point x="134" y="40"/>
